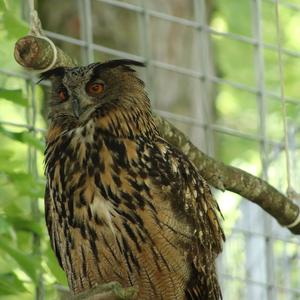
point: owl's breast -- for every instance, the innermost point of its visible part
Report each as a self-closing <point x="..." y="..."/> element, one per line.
<point x="112" y="222"/>
<point x="73" y="166"/>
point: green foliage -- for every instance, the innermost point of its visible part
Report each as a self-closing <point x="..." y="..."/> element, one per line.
<point x="23" y="137"/>
<point x="236" y="108"/>
<point x="15" y="96"/>
<point x="57" y="272"/>
<point x="240" y="110"/>
<point x="20" y="223"/>
<point x="26" y="184"/>
<point x="15" y="28"/>
<point x="10" y="284"/>
<point x="11" y="29"/>
<point x="27" y="263"/>
<point x="25" y="253"/>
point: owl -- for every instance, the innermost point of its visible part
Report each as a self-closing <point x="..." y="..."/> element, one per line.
<point x="121" y="203"/>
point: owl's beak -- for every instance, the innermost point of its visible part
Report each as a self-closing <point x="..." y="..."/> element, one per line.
<point x="76" y="107"/>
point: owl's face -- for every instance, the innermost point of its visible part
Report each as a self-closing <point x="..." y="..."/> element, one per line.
<point x="78" y="91"/>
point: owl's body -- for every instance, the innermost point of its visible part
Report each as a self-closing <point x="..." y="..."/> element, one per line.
<point x="121" y="203"/>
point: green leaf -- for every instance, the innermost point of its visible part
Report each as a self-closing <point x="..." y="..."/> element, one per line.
<point x="55" y="268"/>
<point x="30" y="139"/>
<point x="24" y="137"/>
<point x="14" y="27"/>
<point x="15" y="96"/>
<point x="7" y="163"/>
<point x="4" y="225"/>
<point x="10" y="284"/>
<point x="28" y="263"/>
<point x="2" y="6"/>
<point x="23" y="224"/>
<point x="26" y="184"/>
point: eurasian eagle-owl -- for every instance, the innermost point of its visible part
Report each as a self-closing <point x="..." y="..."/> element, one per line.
<point x="122" y="204"/>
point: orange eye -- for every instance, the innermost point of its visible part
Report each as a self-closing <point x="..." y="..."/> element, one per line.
<point x="95" y="88"/>
<point x="63" y="94"/>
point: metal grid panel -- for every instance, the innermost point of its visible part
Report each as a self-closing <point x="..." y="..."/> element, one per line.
<point x="247" y="276"/>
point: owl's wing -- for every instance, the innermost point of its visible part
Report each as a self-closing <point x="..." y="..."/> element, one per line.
<point x="194" y="197"/>
<point x="51" y="226"/>
<point x="208" y="235"/>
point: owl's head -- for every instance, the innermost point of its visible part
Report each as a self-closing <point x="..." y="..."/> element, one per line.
<point x="80" y="91"/>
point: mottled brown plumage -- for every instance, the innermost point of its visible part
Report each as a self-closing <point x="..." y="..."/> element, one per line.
<point x="121" y="203"/>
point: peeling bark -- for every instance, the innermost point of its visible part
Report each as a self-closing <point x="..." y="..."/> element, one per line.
<point x="36" y="53"/>
<point x="107" y="291"/>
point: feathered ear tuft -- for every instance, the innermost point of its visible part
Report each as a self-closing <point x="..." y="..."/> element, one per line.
<point x="116" y="63"/>
<point x="57" y="72"/>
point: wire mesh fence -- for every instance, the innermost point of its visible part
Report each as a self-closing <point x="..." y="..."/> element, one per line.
<point x="218" y="83"/>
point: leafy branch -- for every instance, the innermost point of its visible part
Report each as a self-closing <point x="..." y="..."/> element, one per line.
<point x="36" y="53"/>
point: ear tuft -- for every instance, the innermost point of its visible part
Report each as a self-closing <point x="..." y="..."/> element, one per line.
<point x="117" y="63"/>
<point x="56" y="72"/>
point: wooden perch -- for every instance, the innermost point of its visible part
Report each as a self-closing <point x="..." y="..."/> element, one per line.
<point x="232" y="179"/>
<point x="107" y="291"/>
<point x="36" y="53"/>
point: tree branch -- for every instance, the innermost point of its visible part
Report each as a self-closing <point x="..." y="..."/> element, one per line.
<point x="107" y="291"/>
<point x="232" y="179"/>
<point x="36" y="53"/>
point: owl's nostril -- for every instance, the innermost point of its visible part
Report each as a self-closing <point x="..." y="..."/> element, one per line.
<point x="76" y="107"/>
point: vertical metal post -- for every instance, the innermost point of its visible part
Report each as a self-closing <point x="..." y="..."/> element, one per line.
<point x="263" y="112"/>
<point x="32" y="169"/>
<point x="204" y="48"/>
<point x="145" y="40"/>
<point x="86" y="24"/>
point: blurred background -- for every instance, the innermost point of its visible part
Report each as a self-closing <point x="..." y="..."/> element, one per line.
<point x="212" y="70"/>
